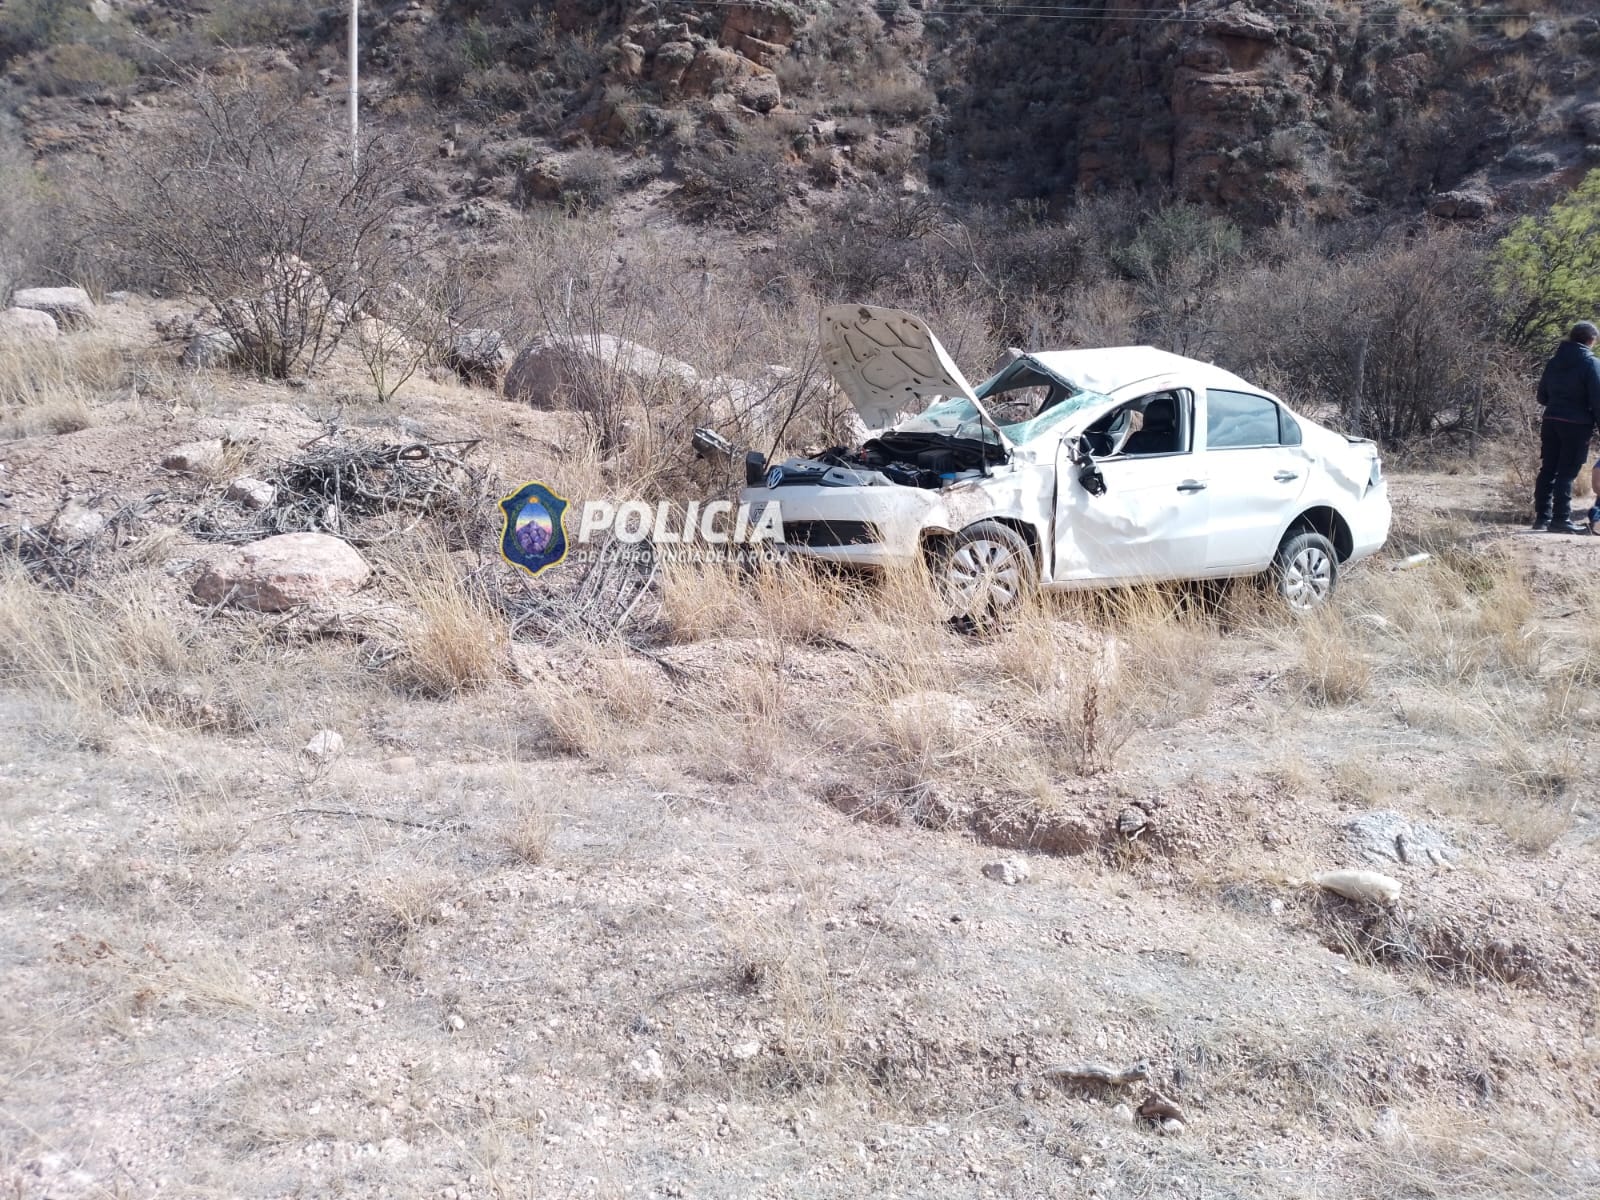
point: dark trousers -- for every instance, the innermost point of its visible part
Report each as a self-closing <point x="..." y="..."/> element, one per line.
<point x="1563" y="447"/>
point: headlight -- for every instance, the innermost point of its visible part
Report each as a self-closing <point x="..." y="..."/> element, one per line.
<point x="1377" y="474"/>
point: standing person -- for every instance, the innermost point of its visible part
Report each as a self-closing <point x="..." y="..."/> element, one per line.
<point x="1569" y="390"/>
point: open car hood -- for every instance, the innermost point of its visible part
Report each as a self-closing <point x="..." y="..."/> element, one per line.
<point x="890" y="365"/>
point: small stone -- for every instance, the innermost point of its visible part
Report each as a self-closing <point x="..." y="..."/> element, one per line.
<point x="325" y="744"/>
<point x="395" y="1149"/>
<point x="1131" y="822"/>
<point x="456" y="1022"/>
<point x="1009" y="871"/>
<point x="194" y="458"/>
<point x="254" y="494"/>
<point x="744" y="1051"/>
<point x="1275" y="907"/>
<point x="76" y="523"/>
<point x="1172" y="1126"/>
<point x="1389" y="1128"/>
<point x="1123" y="1113"/>
<point x="648" y="1067"/>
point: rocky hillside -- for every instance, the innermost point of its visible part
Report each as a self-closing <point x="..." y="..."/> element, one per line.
<point x="1269" y="108"/>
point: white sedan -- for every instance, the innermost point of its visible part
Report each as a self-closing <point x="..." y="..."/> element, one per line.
<point x="1070" y="469"/>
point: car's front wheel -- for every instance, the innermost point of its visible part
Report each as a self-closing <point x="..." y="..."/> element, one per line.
<point x="1306" y="570"/>
<point x="986" y="569"/>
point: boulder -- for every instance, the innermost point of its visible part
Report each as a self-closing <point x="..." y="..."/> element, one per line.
<point x="70" y="306"/>
<point x="716" y="68"/>
<point x="769" y="23"/>
<point x="210" y="348"/>
<point x="284" y="572"/>
<point x="1587" y="120"/>
<point x="575" y="370"/>
<point x="1464" y="204"/>
<point x="27" y="325"/>
<point x="669" y="64"/>
<point x="478" y="356"/>
<point x="761" y="92"/>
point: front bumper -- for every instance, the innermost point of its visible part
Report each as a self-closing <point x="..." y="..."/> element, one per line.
<point x="868" y="527"/>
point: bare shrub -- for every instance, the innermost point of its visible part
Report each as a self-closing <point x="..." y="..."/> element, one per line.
<point x="23" y="237"/>
<point x="1397" y="338"/>
<point x="739" y="183"/>
<point x="253" y="204"/>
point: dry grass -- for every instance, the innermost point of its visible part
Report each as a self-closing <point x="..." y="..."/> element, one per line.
<point x="1332" y="667"/>
<point x="453" y="640"/>
<point x="529" y="832"/>
<point x="52" y="387"/>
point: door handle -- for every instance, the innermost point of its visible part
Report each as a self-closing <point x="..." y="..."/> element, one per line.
<point x="1286" y="476"/>
<point x="1191" y="485"/>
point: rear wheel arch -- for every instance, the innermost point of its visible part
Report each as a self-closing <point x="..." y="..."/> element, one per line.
<point x="1326" y="520"/>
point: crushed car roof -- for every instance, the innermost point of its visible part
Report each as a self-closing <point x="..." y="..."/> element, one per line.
<point x="1108" y="369"/>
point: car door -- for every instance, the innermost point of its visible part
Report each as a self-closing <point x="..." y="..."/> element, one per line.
<point x="1150" y="522"/>
<point x="1258" y="472"/>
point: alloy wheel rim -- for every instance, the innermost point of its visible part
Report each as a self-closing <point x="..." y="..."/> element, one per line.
<point x="1308" y="579"/>
<point x="984" y="575"/>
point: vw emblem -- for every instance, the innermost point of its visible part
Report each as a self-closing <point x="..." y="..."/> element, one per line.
<point x="774" y="477"/>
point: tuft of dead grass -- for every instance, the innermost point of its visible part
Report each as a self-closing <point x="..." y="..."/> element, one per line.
<point x="1332" y="667"/>
<point x="454" y="641"/>
<point x="52" y="387"/>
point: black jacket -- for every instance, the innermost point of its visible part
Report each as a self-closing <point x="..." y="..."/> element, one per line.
<point x="1569" y="389"/>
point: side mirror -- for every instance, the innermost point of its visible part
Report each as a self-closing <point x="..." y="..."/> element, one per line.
<point x="1088" y="472"/>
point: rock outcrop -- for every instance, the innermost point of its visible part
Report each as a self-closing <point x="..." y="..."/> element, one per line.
<point x="284" y="572"/>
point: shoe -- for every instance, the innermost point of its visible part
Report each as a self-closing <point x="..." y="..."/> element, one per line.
<point x="1569" y="526"/>
<point x="1539" y="526"/>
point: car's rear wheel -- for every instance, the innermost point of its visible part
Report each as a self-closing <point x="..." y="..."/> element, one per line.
<point x="986" y="569"/>
<point x="1306" y="570"/>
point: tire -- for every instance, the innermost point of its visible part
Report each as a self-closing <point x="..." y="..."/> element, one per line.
<point x="1305" y="572"/>
<point x="985" y="570"/>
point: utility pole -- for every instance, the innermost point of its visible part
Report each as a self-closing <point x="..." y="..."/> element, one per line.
<point x="355" y="83"/>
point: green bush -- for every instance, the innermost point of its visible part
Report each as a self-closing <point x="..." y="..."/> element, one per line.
<point x="1547" y="269"/>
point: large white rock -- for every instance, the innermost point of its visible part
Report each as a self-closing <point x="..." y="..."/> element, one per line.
<point x="576" y="370"/>
<point x="27" y="325"/>
<point x="284" y="572"/>
<point x="70" y="306"/>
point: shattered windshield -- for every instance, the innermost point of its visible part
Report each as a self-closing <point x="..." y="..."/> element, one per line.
<point x="1025" y="402"/>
